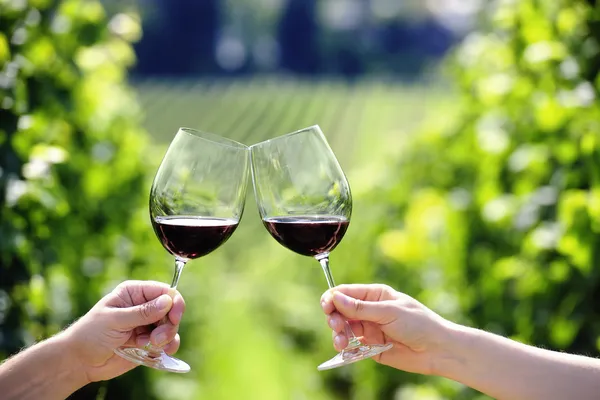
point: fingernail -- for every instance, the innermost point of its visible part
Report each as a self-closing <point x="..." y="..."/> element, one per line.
<point x="163" y="302"/>
<point x="330" y="323"/>
<point x="337" y="341"/>
<point x="177" y="318"/>
<point x="341" y="299"/>
<point x="161" y="338"/>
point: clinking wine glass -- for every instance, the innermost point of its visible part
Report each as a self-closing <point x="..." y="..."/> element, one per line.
<point x="304" y="200"/>
<point x="196" y="203"/>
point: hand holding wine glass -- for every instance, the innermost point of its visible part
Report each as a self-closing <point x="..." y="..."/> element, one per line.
<point x="196" y="202"/>
<point x="305" y="203"/>
<point x="380" y="314"/>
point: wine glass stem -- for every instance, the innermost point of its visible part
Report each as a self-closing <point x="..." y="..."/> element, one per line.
<point x="179" y="264"/>
<point x="324" y="260"/>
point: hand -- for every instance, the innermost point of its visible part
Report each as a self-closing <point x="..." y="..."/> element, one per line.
<point x="380" y="314"/>
<point x="125" y="317"/>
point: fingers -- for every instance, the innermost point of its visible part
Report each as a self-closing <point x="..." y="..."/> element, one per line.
<point x="131" y="293"/>
<point x="339" y="334"/>
<point x="371" y="292"/>
<point x="327" y="302"/>
<point x="338" y="331"/>
<point x="150" y="300"/>
<point x="366" y="332"/>
<point x="158" y="336"/>
<point x="367" y="292"/>
<point x="177" y="310"/>
<point x="375" y="311"/>
<point x="163" y="334"/>
<point x="336" y="322"/>
<point x="369" y="303"/>
<point x="338" y="326"/>
<point x="144" y="314"/>
<point x="340" y="341"/>
<point x="172" y="347"/>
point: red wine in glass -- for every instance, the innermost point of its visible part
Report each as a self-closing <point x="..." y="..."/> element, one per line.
<point x="308" y="235"/>
<point x="192" y="237"/>
<point x="304" y="200"/>
<point x="196" y="203"/>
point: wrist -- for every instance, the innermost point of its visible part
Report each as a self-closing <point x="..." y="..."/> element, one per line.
<point x="452" y="352"/>
<point x="70" y="363"/>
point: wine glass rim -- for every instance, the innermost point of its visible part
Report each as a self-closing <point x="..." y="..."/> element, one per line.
<point x="213" y="138"/>
<point x="314" y="128"/>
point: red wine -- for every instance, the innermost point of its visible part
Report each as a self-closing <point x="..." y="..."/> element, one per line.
<point x="192" y="237"/>
<point x="308" y="235"/>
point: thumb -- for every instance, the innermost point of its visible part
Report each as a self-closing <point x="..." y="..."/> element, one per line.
<point x="351" y="308"/>
<point x="144" y="314"/>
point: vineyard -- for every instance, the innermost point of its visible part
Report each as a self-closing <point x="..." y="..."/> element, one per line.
<point x="356" y="118"/>
<point x="253" y="326"/>
<point x="481" y="199"/>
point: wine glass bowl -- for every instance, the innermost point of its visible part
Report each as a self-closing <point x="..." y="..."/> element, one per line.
<point x="310" y="235"/>
<point x="320" y="189"/>
<point x="305" y="203"/>
<point x="196" y="202"/>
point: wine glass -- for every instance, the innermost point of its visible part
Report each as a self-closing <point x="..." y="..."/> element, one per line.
<point x="196" y="203"/>
<point x="305" y="203"/>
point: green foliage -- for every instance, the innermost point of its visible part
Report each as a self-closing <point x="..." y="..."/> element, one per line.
<point x="494" y="218"/>
<point x="72" y="180"/>
<point x="253" y="326"/>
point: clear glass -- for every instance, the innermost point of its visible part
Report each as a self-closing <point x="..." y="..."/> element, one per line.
<point x="304" y="200"/>
<point x="196" y="202"/>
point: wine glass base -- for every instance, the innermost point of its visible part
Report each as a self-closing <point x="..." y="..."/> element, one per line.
<point x="354" y="354"/>
<point x="161" y="361"/>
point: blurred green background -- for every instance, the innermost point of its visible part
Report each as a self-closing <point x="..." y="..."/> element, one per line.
<point x="469" y="131"/>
